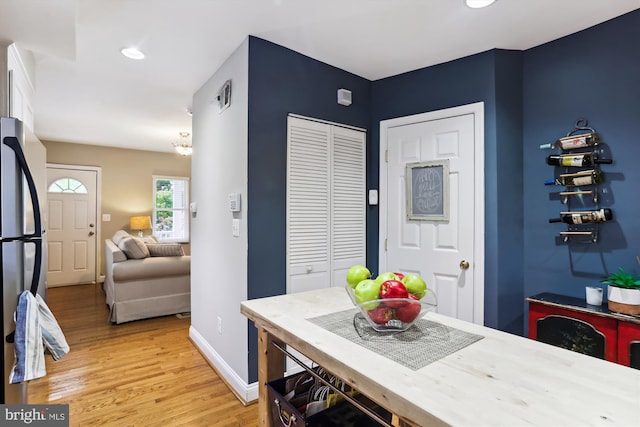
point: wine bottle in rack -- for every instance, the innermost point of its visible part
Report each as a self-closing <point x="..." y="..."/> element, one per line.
<point x="589" y="177"/>
<point x="576" y="160"/>
<point x="600" y="215"/>
<point x="573" y="142"/>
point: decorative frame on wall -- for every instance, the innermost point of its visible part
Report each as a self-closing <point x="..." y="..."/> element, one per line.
<point x="427" y="190"/>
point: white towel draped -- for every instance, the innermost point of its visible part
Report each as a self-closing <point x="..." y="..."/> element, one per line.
<point x="36" y="329"/>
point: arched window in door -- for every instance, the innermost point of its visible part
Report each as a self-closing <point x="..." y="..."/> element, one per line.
<point x="67" y="185"/>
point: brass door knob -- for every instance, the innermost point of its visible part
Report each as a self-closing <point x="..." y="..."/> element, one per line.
<point x="464" y="265"/>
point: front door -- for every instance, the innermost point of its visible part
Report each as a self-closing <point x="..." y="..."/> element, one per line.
<point x="72" y="225"/>
<point x="446" y="252"/>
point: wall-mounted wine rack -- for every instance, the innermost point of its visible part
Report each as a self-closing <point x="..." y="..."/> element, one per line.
<point x="577" y="168"/>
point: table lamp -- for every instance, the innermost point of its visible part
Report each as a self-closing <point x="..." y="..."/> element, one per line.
<point x="139" y="223"/>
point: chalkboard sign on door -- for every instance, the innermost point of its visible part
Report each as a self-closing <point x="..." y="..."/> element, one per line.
<point x="427" y="185"/>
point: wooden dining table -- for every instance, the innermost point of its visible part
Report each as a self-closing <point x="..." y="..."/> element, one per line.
<point x="500" y="379"/>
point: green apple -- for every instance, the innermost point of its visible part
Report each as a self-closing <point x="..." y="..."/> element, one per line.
<point x="415" y="285"/>
<point x="389" y="275"/>
<point x="357" y="274"/>
<point x="367" y="290"/>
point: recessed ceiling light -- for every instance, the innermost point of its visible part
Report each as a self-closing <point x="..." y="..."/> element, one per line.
<point x="477" y="4"/>
<point x="132" y="53"/>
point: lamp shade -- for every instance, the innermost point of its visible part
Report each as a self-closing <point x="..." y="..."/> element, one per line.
<point x="140" y="223"/>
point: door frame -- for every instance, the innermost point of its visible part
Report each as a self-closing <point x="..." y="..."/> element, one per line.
<point x="477" y="109"/>
<point x="98" y="277"/>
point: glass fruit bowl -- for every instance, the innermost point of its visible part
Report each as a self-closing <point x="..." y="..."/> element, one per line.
<point x="394" y="314"/>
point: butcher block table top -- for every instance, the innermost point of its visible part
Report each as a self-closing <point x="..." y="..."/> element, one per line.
<point x="499" y="380"/>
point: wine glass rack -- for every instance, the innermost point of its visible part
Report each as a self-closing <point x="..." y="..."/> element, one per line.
<point x="577" y="168"/>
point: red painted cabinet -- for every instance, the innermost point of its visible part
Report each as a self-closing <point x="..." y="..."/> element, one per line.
<point x="629" y="344"/>
<point x="570" y="323"/>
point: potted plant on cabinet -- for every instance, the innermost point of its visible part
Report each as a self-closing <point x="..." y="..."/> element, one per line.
<point x="623" y="292"/>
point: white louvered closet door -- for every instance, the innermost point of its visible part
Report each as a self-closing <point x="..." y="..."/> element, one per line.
<point x="325" y="203"/>
<point x="308" y="205"/>
<point x="348" y="209"/>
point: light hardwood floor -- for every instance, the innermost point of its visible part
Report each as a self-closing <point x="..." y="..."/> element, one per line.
<point x="142" y="373"/>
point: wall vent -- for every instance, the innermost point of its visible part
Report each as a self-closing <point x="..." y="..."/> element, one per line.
<point x="224" y="96"/>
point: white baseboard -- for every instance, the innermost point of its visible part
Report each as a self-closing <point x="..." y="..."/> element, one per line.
<point x="246" y="392"/>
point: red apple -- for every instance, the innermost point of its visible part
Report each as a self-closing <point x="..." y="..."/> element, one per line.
<point x="408" y="312"/>
<point x="400" y="276"/>
<point x="393" y="289"/>
<point x="381" y="315"/>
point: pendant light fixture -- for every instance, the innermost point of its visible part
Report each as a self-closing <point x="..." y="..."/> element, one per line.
<point x="183" y="145"/>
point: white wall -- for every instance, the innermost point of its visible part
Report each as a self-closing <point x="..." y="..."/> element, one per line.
<point x="219" y="260"/>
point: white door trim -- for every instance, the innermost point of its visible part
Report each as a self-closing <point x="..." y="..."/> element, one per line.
<point x="327" y="122"/>
<point x="98" y="170"/>
<point x="477" y="109"/>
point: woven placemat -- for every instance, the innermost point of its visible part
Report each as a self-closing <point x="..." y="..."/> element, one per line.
<point x="423" y="343"/>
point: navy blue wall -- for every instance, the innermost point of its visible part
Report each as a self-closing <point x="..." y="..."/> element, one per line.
<point x="593" y="74"/>
<point x="492" y="77"/>
<point x="282" y="81"/>
<point x="505" y="311"/>
<point x="530" y="97"/>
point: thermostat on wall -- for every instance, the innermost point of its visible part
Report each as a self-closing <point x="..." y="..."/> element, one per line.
<point x="234" y="202"/>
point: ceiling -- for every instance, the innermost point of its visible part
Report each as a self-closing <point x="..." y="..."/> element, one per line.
<point x="87" y="92"/>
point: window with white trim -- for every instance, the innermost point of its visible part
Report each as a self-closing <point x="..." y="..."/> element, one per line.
<point x="171" y="208"/>
<point x="67" y="185"/>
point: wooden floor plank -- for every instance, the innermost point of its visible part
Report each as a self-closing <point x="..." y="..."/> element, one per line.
<point x="142" y="373"/>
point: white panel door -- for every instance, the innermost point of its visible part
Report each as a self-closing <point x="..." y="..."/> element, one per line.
<point x="437" y="250"/>
<point x="71" y="229"/>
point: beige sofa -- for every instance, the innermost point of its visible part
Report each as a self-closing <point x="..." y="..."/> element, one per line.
<point x="145" y="279"/>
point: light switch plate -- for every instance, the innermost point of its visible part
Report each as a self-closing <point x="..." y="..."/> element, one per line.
<point x="373" y="197"/>
<point x="235" y="227"/>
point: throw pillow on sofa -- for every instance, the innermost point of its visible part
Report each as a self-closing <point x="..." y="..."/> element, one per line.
<point x="148" y="239"/>
<point x="165" y="249"/>
<point x="119" y="235"/>
<point x="133" y="248"/>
